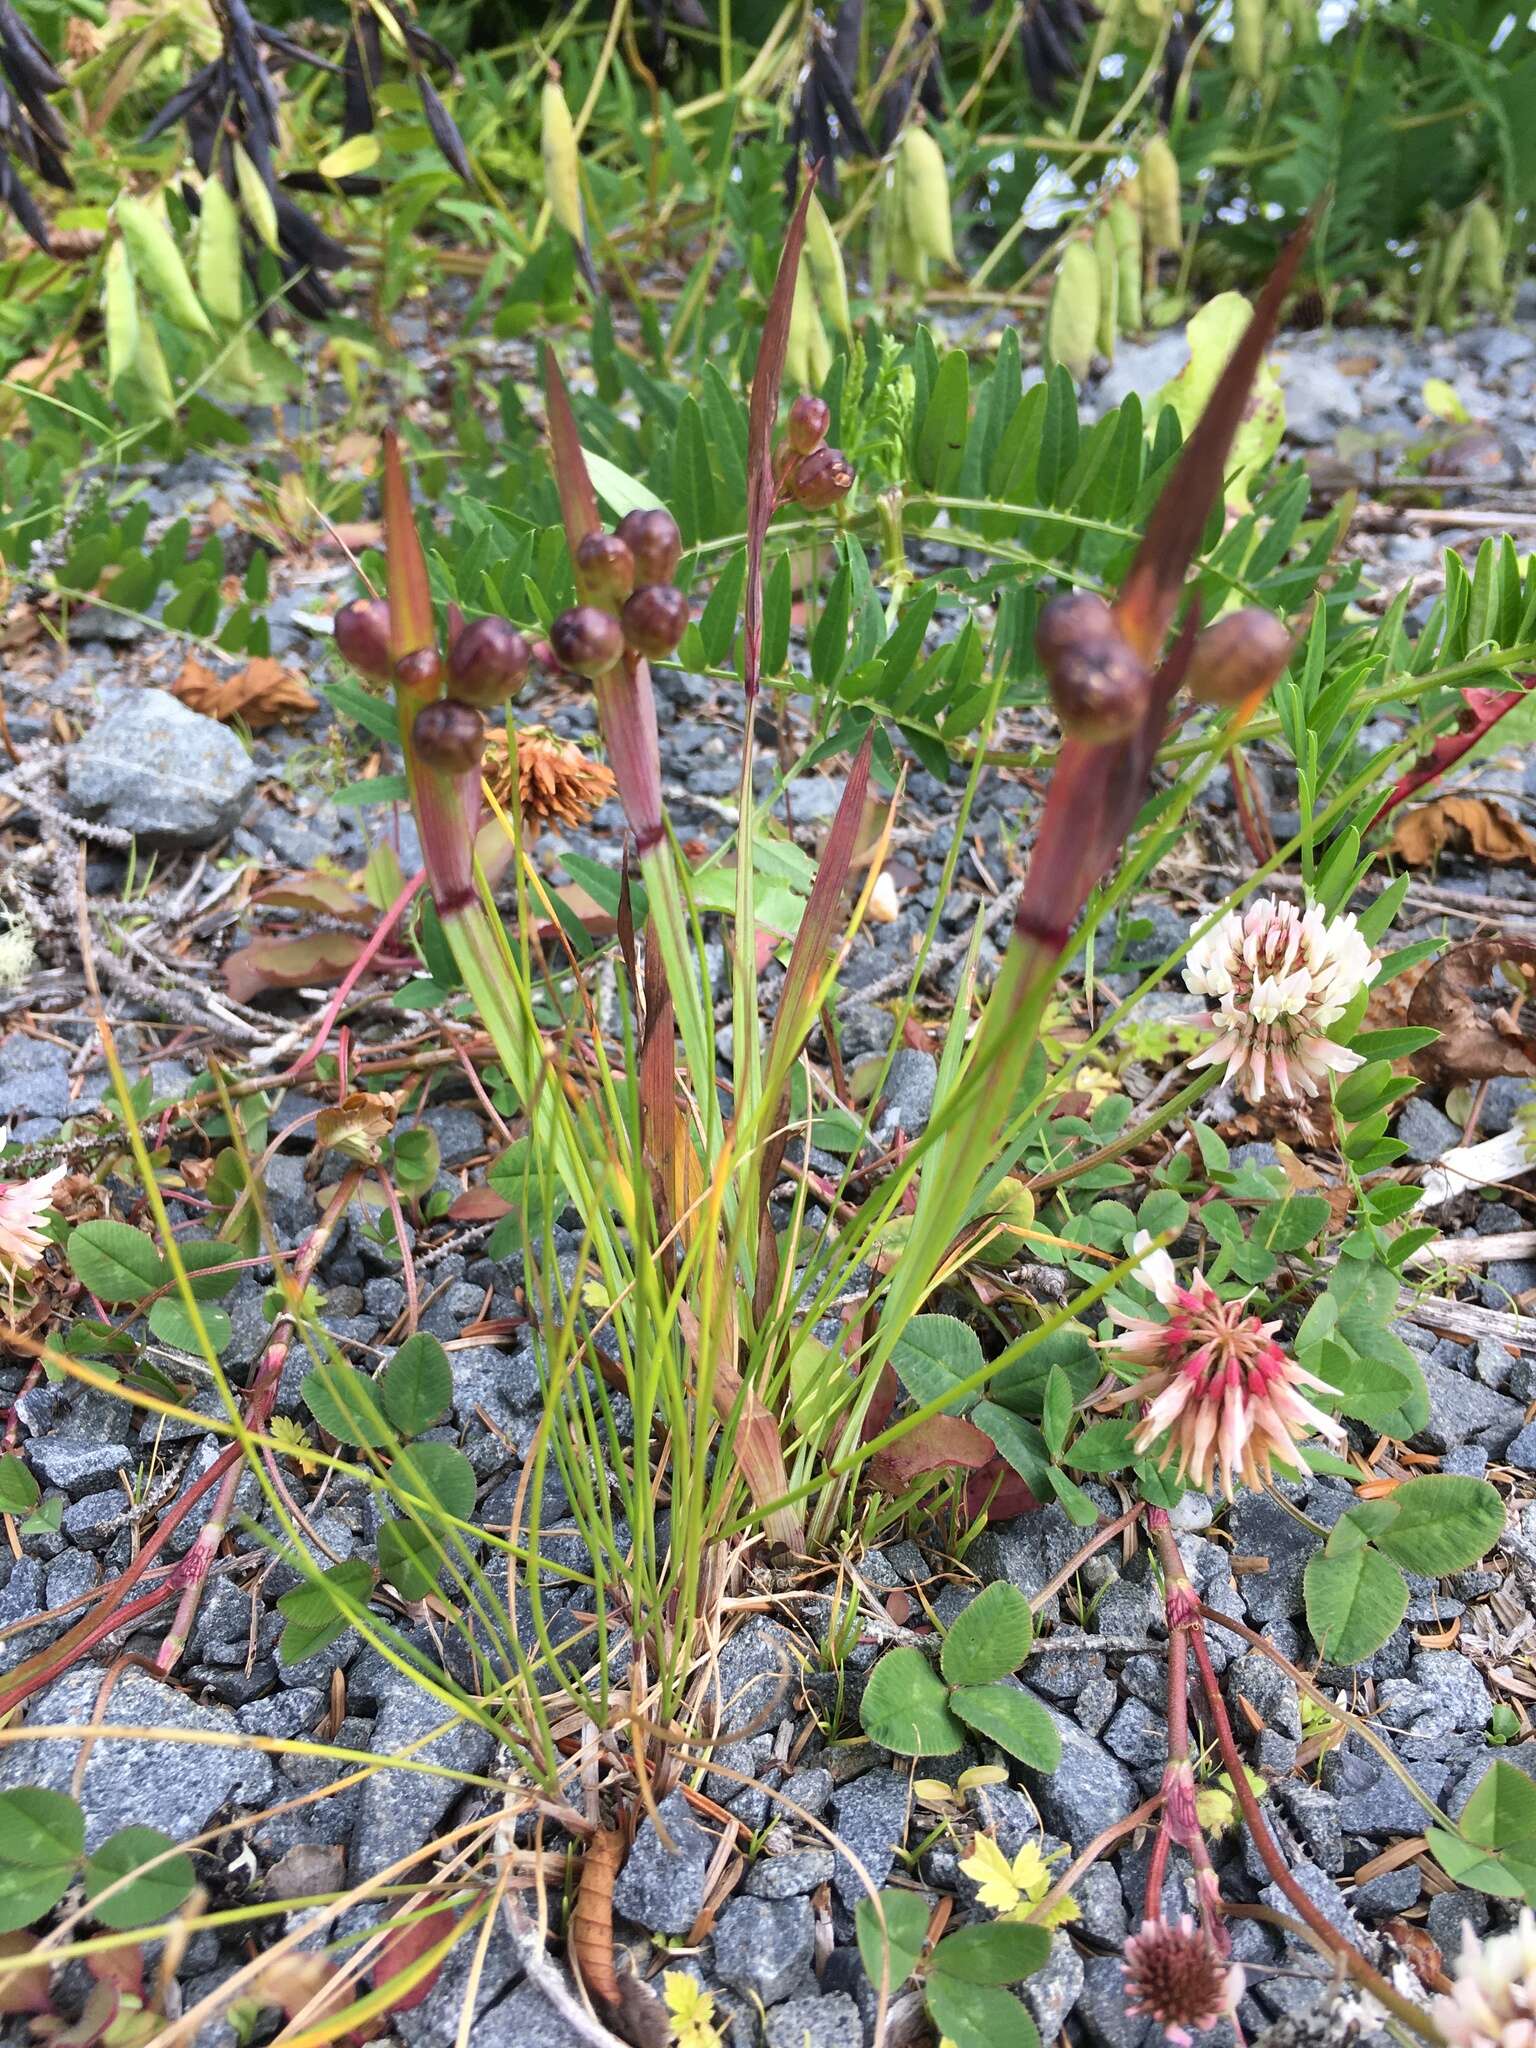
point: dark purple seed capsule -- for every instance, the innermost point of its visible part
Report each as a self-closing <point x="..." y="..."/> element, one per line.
<point x="586" y="641"/>
<point x="822" y="478"/>
<point x="655" y="543"/>
<point x="809" y="419"/>
<point x="1238" y="658"/>
<point x="1098" y="686"/>
<point x="449" y="735"/>
<point x="655" y="619"/>
<point x="605" y="569"/>
<point x="362" y="637"/>
<point x="420" y="672"/>
<point x="489" y="662"/>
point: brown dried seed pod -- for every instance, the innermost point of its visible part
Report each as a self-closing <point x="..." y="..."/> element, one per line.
<point x="1240" y="656"/>
<point x="605" y="569"/>
<point x="362" y="637"/>
<point x="822" y="478"/>
<point x="449" y="735"/>
<point x="655" y="619"/>
<point x="586" y="641"/>
<point x="809" y="419"/>
<point x="421" y="671"/>
<point x="654" y="541"/>
<point x="489" y="662"/>
<point x="1097" y="685"/>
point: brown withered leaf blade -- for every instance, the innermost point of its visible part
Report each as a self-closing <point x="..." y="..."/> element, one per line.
<point x="321" y="894"/>
<point x="578" y="500"/>
<point x="314" y="961"/>
<point x="762" y="417"/>
<point x="1473" y="998"/>
<point x="261" y="694"/>
<point x="1473" y="824"/>
<point x="404" y="1945"/>
<point x="357" y="1127"/>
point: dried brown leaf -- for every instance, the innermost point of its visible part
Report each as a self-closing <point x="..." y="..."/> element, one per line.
<point x="1478" y="1040"/>
<point x="311" y="962"/>
<point x="1473" y="824"/>
<point x="262" y="693"/>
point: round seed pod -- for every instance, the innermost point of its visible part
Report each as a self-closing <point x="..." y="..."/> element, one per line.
<point x="654" y="541"/>
<point x="605" y="569"/>
<point x="655" y="619"/>
<point x="1097" y="685"/>
<point x="822" y="478"/>
<point x="809" y="419"/>
<point x="362" y="637"/>
<point x="421" y="671"/>
<point x="586" y="641"/>
<point x="1239" y="657"/>
<point x="489" y="662"/>
<point x="449" y="735"/>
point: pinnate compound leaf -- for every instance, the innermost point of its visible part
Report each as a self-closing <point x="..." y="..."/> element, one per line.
<point x="906" y="1929"/>
<point x="1444" y="1523"/>
<point x="345" y="1403"/>
<point x="995" y="1952"/>
<point x="989" y="1638"/>
<point x="153" y="1896"/>
<point x="417" y="1384"/>
<point x="979" y="2015"/>
<point x="1014" y="1720"/>
<point x="905" y="1707"/>
<point x="114" y="1261"/>
<point x="1355" y="1599"/>
<point x="42" y="1838"/>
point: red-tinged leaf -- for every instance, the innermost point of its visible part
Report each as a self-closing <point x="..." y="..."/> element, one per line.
<point x="762" y="417"/>
<point x="998" y="1492"/>
<point x="24" y="1987"/>
<point x="944" y="1443"/>
<point x="478" y="1205"/>
<point x="313" y="961"/>
<point x="123" y="1967"/>
<point x="578" y="500"/>
<point x="410" y="592"/>
<point x="1150" y="595"/>
<point x="323" y="894"/>
<point x="1484" y="709"/>
<point x="626" y="712"/>
<point x="402" y="1946"/>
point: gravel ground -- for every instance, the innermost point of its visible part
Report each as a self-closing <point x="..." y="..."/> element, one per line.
<point x="779" y="1956"/>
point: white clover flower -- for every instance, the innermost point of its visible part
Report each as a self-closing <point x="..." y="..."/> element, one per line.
<point x="1492" y="2003"/>
<point x="1280" y="978"/>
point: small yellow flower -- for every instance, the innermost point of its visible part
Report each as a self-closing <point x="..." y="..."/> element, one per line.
<point x="1014" y="1890"/>
<point x="691" y="2010"/>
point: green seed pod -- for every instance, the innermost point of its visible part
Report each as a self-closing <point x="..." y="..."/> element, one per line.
<point x="449" y="735"/>
<point x="1238" y="658"/>
<point x="1457" y="249"/>
<point x="121" y="312"/>
<point x="557" y="146"/>
<point x="1157" y="187"/>
<point x="260" y="207"/>
<point x="219" y="268"/>
<point x="1072" y="324"/>
<point x="807" y="351"/>
<point x="824" y="254"/>
<point x="149" y="366"/>
<point x="158" y="266"/>
<point x="1248" y="39"/>
<point x="922" y="183"/>
<point x="1485" y="254"/>
<point x="1106" y="257"/>
<point x="1125" y="225"/>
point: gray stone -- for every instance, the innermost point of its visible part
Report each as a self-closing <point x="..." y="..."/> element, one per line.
<point x="1450" y="1914"/>
<point x="1461" y="1408"/>
<point x="1268" y="1690"/>
<point x="1101" y="2007"/>
<point x="436" y="2020"/>
<point x="1102" y="1902"/>
<point x="871" y="1816"/>
<point x="1442" y="1693"/>
<point x="660" y="1888"/>
<point x="92" y="1520"/>
<point x="400" y="1809"/>
<point x="1492" y="1363"/>
<point x="1425" y="1131"/>
<point x="907" y="1102"/>
<point x="1319" y="398"/>
<point x="1143" y="367"/>
<point x="829" y="2021"/>
<point x="763" y="1947"/>
<point x="1053" y="1989"/>
<point x="459" y="1132"/>
<point x="132" y="1781"/>
<point x="1095" y="1703"/>
<point x="1394" y="1891"/>
<point x="1372" y="1800"/>
<point x="810" y="1790"/>
<point x="69" y="1576"/>
<point x="162" y="772"/>
<point x="76" y="1463"/>
<point x="1521" y="1452"/>
<point x="1314" y="1817"/>
<point x="1138" y="1736"/>
<point x="524" y="2020"/>
<point x="1087" y="1792"/>
<point x="1323" y="1893"/>
<point x="34" y="1078"/>
<point x="790" y="1876"/>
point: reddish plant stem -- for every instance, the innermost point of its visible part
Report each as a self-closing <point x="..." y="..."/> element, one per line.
<point x="192" y="1574"/>
<point x="1333" y="1943"/>
<point x="1180" y="1819"/>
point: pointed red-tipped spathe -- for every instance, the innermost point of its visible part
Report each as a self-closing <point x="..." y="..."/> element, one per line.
<point x="578" y="500"/>
<point x="411" y="626"/>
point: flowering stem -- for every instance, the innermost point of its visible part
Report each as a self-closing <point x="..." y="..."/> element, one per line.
<point x="1344" y="1952"/>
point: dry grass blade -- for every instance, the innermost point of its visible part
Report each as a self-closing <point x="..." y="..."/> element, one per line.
<point x="762" y="417"/>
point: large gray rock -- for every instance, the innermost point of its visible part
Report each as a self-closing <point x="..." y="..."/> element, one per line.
<point x="164" y="773"/>
<point x="34" y="1078"/>
<point x="1087" y="1792"/>
<point x="829" y="2021"/>
<point x="763" y="1947"/>
<point x="400" y="1809"/>
<point x="661" y="1888"/>
<point x="871" y="1819"/>
<point x="132" y="1781"/>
